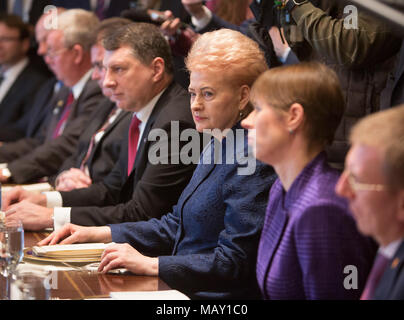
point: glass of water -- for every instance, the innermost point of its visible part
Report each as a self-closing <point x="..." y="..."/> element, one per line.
<point x="11" y="247"/>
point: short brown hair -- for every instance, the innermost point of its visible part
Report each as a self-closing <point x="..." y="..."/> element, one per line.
<point x="15" y="22"/>
<point x="146" y="41"/>
<point x="107" y="27"/>
<point x="311" y="84"/>
<point x="385" y="130"/>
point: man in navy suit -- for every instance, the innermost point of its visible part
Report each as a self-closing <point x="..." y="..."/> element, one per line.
<point x="19" y="78"/>
<point x="373" y="183"/>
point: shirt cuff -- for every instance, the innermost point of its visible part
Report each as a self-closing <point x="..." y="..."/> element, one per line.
<point x="53" y="199"/>
<point x="61" y="216"/>
<point x="6" y="173"/>
<point x="285" y="55"/>
<point x="204" y="21"/>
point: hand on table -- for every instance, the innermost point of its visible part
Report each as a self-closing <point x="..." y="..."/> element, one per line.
<point x="19" y="194"/>
<point x="72" y="179"/>
<point x="71" y="233"/>
<point x="32" y="216"/>
<point x="125" y="256"/>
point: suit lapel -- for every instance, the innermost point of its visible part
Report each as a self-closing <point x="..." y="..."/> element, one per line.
<point x="121" y="115"/>
<point x="388" y="280"/>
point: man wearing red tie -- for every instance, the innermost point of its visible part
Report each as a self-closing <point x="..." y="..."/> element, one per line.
<point x="139" y="74"/>
<point x="373" y="183"/>
<point x="68" y="55"/>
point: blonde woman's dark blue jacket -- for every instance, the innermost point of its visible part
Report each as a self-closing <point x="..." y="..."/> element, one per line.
<point x="207" y="246"/>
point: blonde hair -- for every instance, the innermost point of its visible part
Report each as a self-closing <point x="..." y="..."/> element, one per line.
<point x="230" y="52"/>
<point x="385" y="131"/>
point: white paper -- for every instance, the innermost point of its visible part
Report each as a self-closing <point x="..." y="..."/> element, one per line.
<point x="69" y="247"/>
<point x="149" y="295"/>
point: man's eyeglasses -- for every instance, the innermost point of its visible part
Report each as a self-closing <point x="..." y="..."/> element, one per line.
<point x="358" y="186"/>
<point x="53" y="54"/>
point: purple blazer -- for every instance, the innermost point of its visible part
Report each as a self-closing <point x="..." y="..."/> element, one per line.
<point x="308" y="238"/>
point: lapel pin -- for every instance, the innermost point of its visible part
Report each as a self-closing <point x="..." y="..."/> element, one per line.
<point x="395" y="263"/>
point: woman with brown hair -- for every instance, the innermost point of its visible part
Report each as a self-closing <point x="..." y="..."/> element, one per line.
<point x="309" y="236"/>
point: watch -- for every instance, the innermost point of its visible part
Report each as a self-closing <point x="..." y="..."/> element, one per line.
<point x="291" y="4"/>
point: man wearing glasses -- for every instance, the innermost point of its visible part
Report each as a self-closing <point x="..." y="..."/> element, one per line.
<point x="373" y="183"/>
<point x="19" y="79"/>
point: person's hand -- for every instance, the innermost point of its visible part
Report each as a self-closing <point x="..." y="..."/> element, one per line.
<point x="171" y="25"/>
<point x="3" y="179"/>
<point x="71" y="233"/>
<point x="33" y="216"/>
<point x="194" y="8"/>
<point x="279" y="46"/>
<point x="72" y="179"/>
<point x="19" y="194"/>
<point x="125" y="256"/>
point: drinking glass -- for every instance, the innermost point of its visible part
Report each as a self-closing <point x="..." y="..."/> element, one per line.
<point x="11" y="247"/>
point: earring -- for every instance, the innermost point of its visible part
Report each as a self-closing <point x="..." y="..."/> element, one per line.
<point x="291" y="131"/>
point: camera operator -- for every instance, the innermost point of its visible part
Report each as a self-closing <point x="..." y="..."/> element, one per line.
<point x="362" y="55"/>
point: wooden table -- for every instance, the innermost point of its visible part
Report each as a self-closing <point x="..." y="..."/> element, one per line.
<point x="84" y="285"/>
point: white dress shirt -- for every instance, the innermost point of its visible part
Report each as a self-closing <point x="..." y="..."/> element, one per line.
<point x="61" y="215"/>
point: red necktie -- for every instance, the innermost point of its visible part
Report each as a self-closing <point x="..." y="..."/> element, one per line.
<point x="375" y="274"/>
<point x="65" y="115"/>
<point x="134" y="133"/>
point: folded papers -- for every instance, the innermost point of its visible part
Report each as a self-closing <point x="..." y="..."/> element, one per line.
<point x="79" y="250"/>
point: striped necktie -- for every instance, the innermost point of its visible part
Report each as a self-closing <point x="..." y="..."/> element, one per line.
<point x="94" y="141"/>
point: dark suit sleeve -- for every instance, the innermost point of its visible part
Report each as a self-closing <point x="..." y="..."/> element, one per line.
<point x="47" y="158"/>
<point x="154" y="195"/>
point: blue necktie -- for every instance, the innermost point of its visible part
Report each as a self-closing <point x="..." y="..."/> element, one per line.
<point x="18" y="8"/>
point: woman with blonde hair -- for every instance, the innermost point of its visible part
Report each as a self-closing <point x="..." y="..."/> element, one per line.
<point x="309" y="241"/>
<point x="206" y="247"/>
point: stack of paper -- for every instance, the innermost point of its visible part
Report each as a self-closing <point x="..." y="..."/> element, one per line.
<point x="68" y="251"/>
<point x="149" y="295"/>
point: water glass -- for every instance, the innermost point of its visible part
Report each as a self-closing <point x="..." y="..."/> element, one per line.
<point x="11" y="247"/>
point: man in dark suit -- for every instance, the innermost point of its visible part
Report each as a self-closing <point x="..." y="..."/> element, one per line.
<point x="68" y="53"/>
<point x="44" y="102"/>
<point x="104" y="8"/>
<point x="19" y="78"/>
<point x="99" y="145"/>
<point x="373" y="183"/>
<point x="136" y="189"/>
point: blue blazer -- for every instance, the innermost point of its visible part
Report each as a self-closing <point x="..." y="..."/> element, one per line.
<point x="391" y="285"/>
<point x="207" y="245"/>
